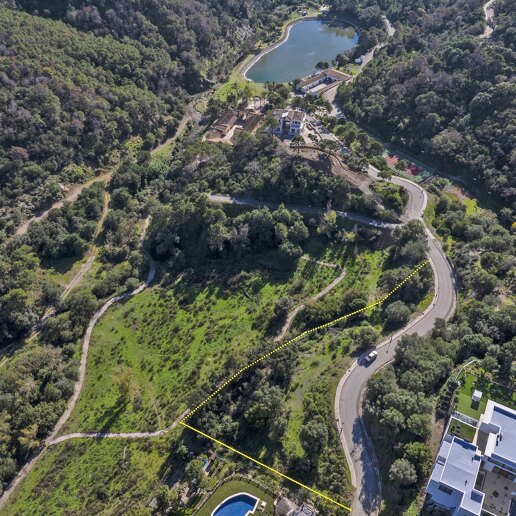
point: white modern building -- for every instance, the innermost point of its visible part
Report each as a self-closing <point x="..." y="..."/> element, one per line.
<point x="318" y="83"/>
<point x="290" y="122"/>
<point x="452" y="484"/>
<point x="478" y="478"/>
<point x="496" y="437"/>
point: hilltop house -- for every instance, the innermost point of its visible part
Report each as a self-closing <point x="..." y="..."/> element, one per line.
<point x="290" y="122"/>
<point x="478" y="478"/>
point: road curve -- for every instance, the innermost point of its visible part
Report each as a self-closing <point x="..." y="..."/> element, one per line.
<point x="348" y="399"/>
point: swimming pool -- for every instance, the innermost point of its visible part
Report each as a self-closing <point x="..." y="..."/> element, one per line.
<point x="237" y="505"/>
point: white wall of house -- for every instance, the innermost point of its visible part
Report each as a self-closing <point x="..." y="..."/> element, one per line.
<point x="308" y="87"/>
<point x="295" y="127"/>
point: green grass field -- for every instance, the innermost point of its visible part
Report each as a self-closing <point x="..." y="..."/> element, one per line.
<point x="462" y="430"/>
<point x="234" y="487"/>
<point x="85" y="476"/>
<point x="490" y="391"/>
<point x="173" y="342"/>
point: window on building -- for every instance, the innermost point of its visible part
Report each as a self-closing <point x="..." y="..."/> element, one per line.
<point x="445" y="489"/>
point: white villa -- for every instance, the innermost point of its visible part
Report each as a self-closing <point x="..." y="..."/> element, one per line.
<point x="290" y="122"/>
<point x="478" y="478"/>
<point x="318" y="83"/>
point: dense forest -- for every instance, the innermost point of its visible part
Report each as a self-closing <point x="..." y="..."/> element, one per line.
<point x="80" y="78"/>
<point x="204" y="38"/>
<point x="442" y="91"/>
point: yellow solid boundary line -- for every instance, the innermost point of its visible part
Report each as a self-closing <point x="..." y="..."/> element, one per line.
<point x="300" y="336"/>
<point x="275" y="471"/>
<point x="248" y="366"/>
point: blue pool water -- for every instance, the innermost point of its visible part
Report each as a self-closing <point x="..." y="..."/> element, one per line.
<point x="238" y="505"/>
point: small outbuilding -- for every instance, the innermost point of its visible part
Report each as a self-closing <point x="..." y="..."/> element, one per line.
<point x="477" y="396"/>
<point x="284" y="507"/>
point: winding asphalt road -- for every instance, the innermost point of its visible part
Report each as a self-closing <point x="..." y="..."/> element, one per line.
<point x="348" y="400"/>
<point x="355" y="441"/>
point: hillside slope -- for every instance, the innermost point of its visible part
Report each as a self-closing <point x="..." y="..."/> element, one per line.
<point x="78" y="81"/>
<point x="442" y="90"/>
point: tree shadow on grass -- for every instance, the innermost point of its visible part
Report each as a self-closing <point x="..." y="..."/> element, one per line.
<point x="61" y="265"/>
<point x="112" y="414"/>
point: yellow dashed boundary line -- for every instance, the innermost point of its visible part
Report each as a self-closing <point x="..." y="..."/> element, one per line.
<point x="267" y="355"/>
<point x="275" y="471"/>
<point x="300" y="336"/>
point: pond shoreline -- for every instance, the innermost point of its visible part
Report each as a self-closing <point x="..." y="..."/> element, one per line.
<point x="286" y="33"/>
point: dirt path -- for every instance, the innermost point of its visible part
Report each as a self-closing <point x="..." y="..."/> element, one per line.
<point x="92" y="253"/>
<point x="180" y="128"/>
<point x="307" y="258"/>
<point x="83" y="270"/>
<point x="191" y="115"/>
<point x="85" y="349"/>
<point x="489" y="17"/>
<point x="75" y="191"/>
<point x="292" y="315"/>
<point x="118" y="435"/>
<point x="70" y="196"/>
<point x="368" y="56"/>
<point x="51" y="439"/>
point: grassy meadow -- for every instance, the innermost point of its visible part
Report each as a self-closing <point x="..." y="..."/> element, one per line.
<point x="172" y="341"/>
<point x="110" y="476"/>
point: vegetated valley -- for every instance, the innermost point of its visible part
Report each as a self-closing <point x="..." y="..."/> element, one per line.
<point x="96" y="96"/>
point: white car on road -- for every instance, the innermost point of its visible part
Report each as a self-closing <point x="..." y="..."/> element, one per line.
<point x="371" y="356"/>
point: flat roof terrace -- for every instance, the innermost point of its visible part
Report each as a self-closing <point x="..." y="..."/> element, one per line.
<point x="501" y="446"/>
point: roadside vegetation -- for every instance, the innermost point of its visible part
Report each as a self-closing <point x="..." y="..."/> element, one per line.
<point x="404" y="400"/>
<point x="229" y="278"/>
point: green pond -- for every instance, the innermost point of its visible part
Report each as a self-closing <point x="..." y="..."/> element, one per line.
<point x="308" y="42"/>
